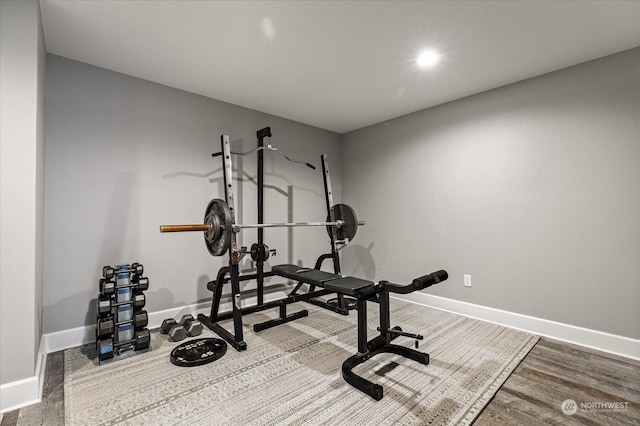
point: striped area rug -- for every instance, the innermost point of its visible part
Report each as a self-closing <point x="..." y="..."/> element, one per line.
<point x="290" y="374"/>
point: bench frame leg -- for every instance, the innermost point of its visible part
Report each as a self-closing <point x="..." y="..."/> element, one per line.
<point x="380" y="344"/>
<point x="236" y="339"/>
<point x="284" y="318"/>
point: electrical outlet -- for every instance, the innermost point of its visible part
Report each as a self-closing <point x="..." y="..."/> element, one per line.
<point x="467" y="280"/>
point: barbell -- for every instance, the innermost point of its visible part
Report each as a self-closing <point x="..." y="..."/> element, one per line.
<point x="218" y="225"/>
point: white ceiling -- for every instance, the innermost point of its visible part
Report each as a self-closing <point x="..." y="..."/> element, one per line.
<point x="338" y="65"/>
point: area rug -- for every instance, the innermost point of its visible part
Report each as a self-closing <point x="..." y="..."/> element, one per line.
<point x="290" y="375"/>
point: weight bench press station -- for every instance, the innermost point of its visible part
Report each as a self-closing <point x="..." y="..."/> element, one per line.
<point x="220" y="231"/>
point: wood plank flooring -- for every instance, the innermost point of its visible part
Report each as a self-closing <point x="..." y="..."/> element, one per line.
<point x="554" y="372"/>
<point x="50" y="411"/>
<point x="550" y="374"/>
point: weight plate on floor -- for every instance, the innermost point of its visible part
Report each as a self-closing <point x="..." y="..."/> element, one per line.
<point x="349" y="303"/>
<point x="349" y="227"/>
<point x="218" y="237"/>
<point x="198" y="352"/>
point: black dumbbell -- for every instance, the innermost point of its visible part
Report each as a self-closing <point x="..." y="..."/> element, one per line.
<point x="143" y="339"/>
<point x="140" y="319"/>
<point x="108" y="272"/>
<point x="105" y="349"/>
<point x="188" y="326"/>
<point x="137" y="269"/>
<point x="124" y="333"/>
<point x="177" y="332"/>
<point x="104" y="326"/>
<point x="185" y="318"/>
<point x="142" y="283"/>
<point x="103" y="307"/>
<point x="192" y="326"/>
<point x="166" y="325"/>
<point x="107" y="287"/>
<point x="139" y="300"/>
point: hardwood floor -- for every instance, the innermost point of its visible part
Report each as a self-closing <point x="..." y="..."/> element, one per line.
<point x="50" y="411"/>
<point x="605" y="388"/>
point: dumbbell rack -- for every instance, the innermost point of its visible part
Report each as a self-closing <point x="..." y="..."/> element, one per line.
<point x="121" y="320"/>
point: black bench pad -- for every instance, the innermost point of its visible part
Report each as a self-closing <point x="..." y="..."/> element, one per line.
<point x="346" y="285"/>
<point x="306" y="275"/>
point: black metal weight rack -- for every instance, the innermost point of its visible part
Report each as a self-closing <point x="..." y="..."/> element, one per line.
<point x="220" y="230"/>
<point x="121" y="326"/>
<point x="260" y="252"/>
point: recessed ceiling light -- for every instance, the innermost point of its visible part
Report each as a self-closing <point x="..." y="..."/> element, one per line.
<point x="427" y="58"/>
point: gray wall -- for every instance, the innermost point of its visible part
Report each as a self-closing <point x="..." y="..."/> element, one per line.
<point x="40" y="182"/>
<point x="21" y="187"/>
<point x="125" y="155"/>
<point x="533" y="189"/>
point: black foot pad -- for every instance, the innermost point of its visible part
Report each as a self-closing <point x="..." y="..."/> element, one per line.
<point x="198" y="352"/>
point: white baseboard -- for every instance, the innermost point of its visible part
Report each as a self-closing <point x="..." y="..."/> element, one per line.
<point x="20" y="393"/>
<point x="28" y="391"/>
<point x="41" y="366"/>
<point x="607" y="342"/>
<point x="618" y="345"/>
<point x="74" y="337"/>
<point x="79" y="336"/>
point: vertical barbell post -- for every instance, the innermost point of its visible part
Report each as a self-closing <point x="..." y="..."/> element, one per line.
<point x="228" y="189"/>
<point x="261" y="134"/>
<point x="329" y="200"/>
<point x="333" y="234"/>
<point x="238" y="335"/>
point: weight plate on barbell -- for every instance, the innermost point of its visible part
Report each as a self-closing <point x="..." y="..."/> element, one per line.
<point x="344" y="213"/>
<point x="218" y="237"/>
